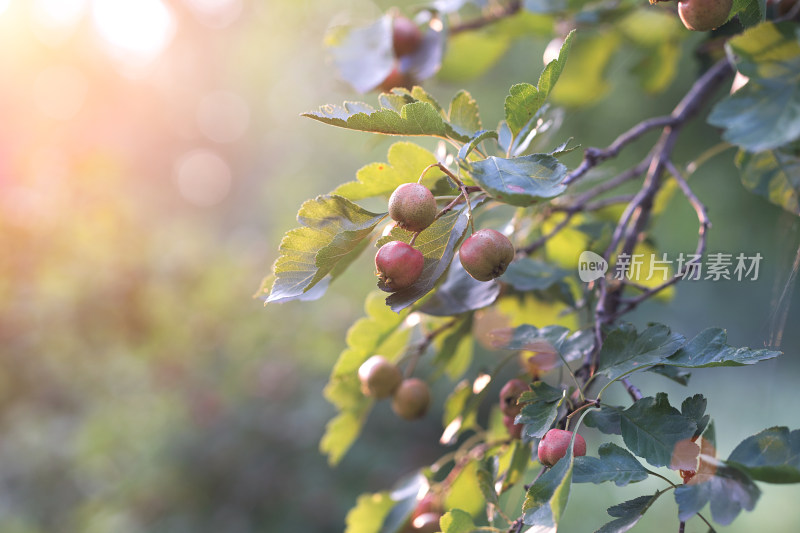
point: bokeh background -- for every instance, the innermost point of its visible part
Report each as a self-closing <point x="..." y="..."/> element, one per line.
<point x="151" y="157"/>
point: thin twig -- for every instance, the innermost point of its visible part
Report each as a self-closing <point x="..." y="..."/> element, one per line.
<point x="489" y="18"/>
<point x="632" y="389"/>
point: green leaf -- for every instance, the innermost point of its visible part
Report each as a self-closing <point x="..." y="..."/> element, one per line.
<point x="520" y="458"/>
<point x="772" y="455"/>
<point x="539" y="409"/>
<point x="476" y="139"/>
<point x="487" y="472"/>
<point x="607" y="420"/>
<point x="341" y="432"/>
<point x="614" y="464"/>
<point x="438" y="244"/>
<point x="628" y="514"/>
<point x="460" y="293"/>
<point x="765" y="113"/>
<point x="625" y="350"/>
<point x="524" y="100"/>
<point x="728" y="489"/>
<point x="546" y="499"/>
<point x="519" y="181"/>
<point x="709" y="349"/>
<point x="528" y="274"/>
<point x="415" y="118"/>
<point x="750" y="12"/>
<point x="558" y="338"/>
<point x="332" y="227"/>
<point x="369" y="513"/>
<point x="676" y="374"/>
<point x="651" y="428"/>
<point x="694" y="408"/>
<point x="773" y="175"/>
<point x="463" y="114"/>
<point x="406" y="161"/>
<point x="363" y="56"/>
<point x="456" y="521"/>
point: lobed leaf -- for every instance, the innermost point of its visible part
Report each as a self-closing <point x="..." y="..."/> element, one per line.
<point x="332" y="229"/>
<point x="625" y="350"/>
<point x="547" y="497"/>
<point x="456" y="521"/>
<point x="460" y="293"/>
<point x="369" y="513"/>
<point x="519" y="181"/>
<point x="628" y="514"/>
<point x="774" y="175"/>
<point x="728" y="489"/>
<point x="651" y="428"/>
<point x="614" y="464"/>
<point x="528" y="274"/>
<point x="773" y="455"/>
<point x="710" y="349"/>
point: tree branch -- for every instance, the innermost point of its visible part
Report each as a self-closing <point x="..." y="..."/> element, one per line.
<point x="488" y="18"/>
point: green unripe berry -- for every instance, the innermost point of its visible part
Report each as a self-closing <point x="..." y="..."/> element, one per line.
<point x="412" y="206"/>
<point x="486" y="254"/>
<point x="379" y="378"/>
<point x="411" y="399"/>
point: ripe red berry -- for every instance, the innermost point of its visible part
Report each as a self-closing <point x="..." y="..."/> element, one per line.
<point x="379" y="378"/>
<point x="509" y="395"/>
<point x="406" y="36"/>
<point x="704" y="15"/>
<point x="411" y="399"/>
<point x="514" y="430"/>
<point x="413" y="206"/>
<point x="486" y="254"/>
<point x="396" y="78"/>
<point x="399" y="265"/>
<point x="555" y="443"/>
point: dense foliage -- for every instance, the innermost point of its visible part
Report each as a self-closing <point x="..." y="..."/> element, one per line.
<point x="566" y="218"/>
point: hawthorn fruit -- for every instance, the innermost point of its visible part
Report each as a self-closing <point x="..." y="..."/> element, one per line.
<point x="411" y="399"/>
<point x="412" y="206"/>
<point x="398" y="265"/>
<point x="704" y="15"/>
<point x="486" y="254"/>
<point x="396" y="78"/>
<point x="379" y="378"/>
<point x="555" y="443"/>
<point x="406" y="37"/>
<point x="509" y="395"/>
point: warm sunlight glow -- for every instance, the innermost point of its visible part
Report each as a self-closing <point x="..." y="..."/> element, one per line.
<point x="53" y="21"/>
<point x="60" y="91"/>
<point x="222" y="116"/>
<point x="137" y="31"/>
<point x="203" y="178"/>
<point x="4" y="5"/>
<point x="216" y="13"/>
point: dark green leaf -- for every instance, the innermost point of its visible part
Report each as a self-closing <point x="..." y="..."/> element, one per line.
<point x="460" y="293"/>
<point x="438" y="244"/>
<point x="547" y="498"/>
<point x="750" y="12"/>
<point x="528" y="274"/>
<point x="607" y="419"/>
<point x="364" y="55"/>
<point x="773" y="175"/>
<point x="520" y="181"/>
<point x="625" y="350"/>
<point x="651" y="428"/>
<point x="765" y="113"/>
<point x="694" y="408"/>
<point x="524" y="100"/>
<point x="676" y="374"/>
<point x="772" y="455"/>
<point x="332" y="227"/>
<point x="614" y="464"/>
<point x="628" y="514"/>
<point x="709" y="348"/>
<point x="548" y="338"/>
<point x="539" y="409"/>
<point x="728" y="489"/>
